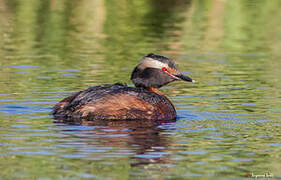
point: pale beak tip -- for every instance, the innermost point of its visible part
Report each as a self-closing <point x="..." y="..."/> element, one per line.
<point x="193" y="81"/>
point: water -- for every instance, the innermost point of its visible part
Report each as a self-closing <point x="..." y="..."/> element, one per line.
<point x="228" y="123"/>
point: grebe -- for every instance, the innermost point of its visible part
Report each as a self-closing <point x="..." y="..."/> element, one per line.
<point x="120" y="102"/>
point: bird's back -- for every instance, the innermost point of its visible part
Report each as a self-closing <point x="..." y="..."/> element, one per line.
<point x="115" y="102"/>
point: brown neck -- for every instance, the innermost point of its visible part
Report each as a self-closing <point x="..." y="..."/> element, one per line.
<point x="155" y="90"/>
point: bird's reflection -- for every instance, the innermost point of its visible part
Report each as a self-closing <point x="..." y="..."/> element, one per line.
<point x="142" y="137"/>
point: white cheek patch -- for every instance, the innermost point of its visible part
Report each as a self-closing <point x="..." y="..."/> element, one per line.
<point x="151" y="63"/>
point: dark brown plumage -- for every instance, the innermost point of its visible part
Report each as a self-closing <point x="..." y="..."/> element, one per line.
<point x="120" y="102"/>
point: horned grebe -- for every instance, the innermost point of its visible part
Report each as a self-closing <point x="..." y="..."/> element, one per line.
<point x="120" y="102"/>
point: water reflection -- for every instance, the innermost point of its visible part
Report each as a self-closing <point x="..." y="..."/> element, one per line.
<point x="142" y="138"/>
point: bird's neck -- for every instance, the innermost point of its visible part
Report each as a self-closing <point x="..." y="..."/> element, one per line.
<point x="155" y="90"/>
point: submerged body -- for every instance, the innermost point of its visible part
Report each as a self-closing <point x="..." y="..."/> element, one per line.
<point x="120" y="102"/>
<point x="115" y="102"/>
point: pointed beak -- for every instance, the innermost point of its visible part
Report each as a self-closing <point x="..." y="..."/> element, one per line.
<point x="184" y="78"/>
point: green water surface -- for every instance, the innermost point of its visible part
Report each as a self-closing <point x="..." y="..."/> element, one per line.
<point x="228" y="123"/>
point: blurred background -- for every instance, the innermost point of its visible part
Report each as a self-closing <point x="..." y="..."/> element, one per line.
<point x="228" y="122"/>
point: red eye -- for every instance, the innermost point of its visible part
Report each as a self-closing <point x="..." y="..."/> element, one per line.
<point x="164" y="69"/>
